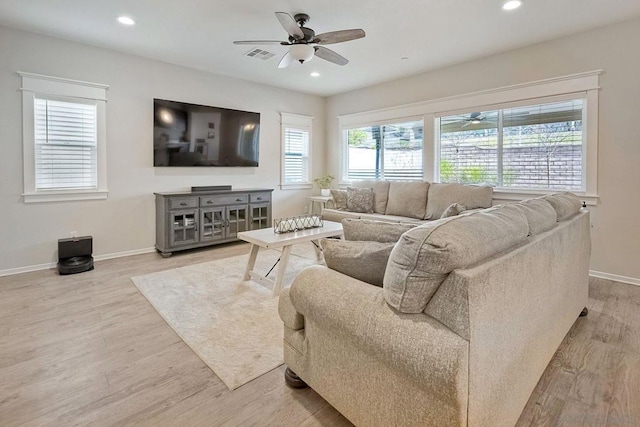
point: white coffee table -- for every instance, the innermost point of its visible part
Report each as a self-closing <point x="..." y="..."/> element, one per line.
<point x="266" y="238"/>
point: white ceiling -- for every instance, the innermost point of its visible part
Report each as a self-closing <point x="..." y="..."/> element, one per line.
<point x="199" y="33"/>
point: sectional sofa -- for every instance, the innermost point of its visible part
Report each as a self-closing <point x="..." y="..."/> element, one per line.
<point x="471" y="311"/>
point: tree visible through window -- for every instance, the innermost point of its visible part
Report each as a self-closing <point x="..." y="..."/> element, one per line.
<point x="390" y="151"/>
<point x="537" y="146"/>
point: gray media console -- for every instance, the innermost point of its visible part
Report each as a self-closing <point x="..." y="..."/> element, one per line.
<point x="194" y="219"/>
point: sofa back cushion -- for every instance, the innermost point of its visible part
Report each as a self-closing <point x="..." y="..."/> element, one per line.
<point x="441" y="196"/>
<point x="540" y="215"/>
<point x="380" y="193"/>
<point x="425" y="255"/>
<point x="565" y="204"/>
<point x="374" y="231"/>
<point x="408" y="199"/>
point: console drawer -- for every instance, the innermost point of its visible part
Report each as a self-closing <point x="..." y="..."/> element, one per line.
<point x="227" y="199"/>
<point x="260" y="197"/>
<point x="183" y="202"/>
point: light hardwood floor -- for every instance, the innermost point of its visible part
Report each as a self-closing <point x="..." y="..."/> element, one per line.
<point x="88" y="349"/>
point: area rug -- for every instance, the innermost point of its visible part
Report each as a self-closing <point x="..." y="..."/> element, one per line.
<point x="231" y="324"/>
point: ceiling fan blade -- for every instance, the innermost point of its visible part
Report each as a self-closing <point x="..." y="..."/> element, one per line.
<point x="259" y="42"/>
<point x="466" y="124"/>
<point x="290" y="25"/>
<point x="286" y="60"/>
<point x="339" y="36"/>
<point x="331" y="56"/>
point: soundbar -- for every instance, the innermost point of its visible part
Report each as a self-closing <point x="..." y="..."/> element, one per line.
<point x="211" y="188"/>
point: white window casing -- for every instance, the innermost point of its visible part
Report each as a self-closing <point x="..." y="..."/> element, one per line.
<point x="296" y="137"/>
<point x="64" y="139"/>
<point x="583" y="85"/>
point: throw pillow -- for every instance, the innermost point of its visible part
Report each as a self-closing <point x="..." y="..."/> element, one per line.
<point x="373" y="231"/>
<point x="366" y="261"/>
<point x="360" y="200"/>
<point x="454" y="209"/>
<point x="339" y="199"/>
<point x="380" y="193"/>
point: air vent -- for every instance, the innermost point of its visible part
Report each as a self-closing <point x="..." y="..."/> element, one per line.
<point x="260" y="54"/>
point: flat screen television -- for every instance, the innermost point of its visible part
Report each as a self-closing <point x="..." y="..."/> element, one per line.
<point x="197" y="135"/>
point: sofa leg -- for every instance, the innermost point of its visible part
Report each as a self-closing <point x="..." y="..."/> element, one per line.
<point x="584" y="312"/>
<point x="293" y="380"/>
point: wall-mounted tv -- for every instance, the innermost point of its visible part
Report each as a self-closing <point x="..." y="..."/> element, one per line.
<point x="197" y="135"/>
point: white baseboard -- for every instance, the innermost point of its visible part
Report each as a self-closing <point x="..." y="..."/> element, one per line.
<point x="123" y="254"/>
<point x="27" y="269"/>
<point x="37" y="267"/>
<point x="614" y="277"/>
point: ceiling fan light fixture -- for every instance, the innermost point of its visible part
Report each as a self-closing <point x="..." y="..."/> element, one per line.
<point x="301" y="52"/>
<point x="511" y="4"/>
<point x="126" y="20"/>
<point x="476" y="122"/>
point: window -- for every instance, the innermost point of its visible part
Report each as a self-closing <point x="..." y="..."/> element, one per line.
<point x="296" y="145"/>
<point x="390" y="151"/>
<point x="63" y="139"/>
<point x="536" y="146"/>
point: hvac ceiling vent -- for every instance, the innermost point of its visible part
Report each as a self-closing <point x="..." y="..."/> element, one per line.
<point x="260" y="54"/>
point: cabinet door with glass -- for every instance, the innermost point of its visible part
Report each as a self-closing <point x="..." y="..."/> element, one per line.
<point x="184" y="227"/>
<point x="212" y="224"/>
<point x="237" y="220"/>
<point x="260" y="216"/>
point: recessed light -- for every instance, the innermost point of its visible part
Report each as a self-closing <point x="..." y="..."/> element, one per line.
<point x="315" y="74"/>
<point x="125" y="20"/>
<point x="511" y="4"/>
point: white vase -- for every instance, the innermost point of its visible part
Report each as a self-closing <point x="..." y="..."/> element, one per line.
<point x="325" y="192"/>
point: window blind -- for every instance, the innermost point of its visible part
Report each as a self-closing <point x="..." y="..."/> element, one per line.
<point x="65" y="145"/>
<point x="296" y="155"/>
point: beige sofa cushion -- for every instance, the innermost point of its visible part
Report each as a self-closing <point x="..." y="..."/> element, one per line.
<point x="540" y="215"/>
<point x="425" y="255"/>
<point x="373" y="231"/>
<point x="441" y="196"/>
<point x="364" y="261"/>
<point x="565" y="204"/>
<point x="380" y="193"/>
<point x="337" y="215"/>
<point x="408" y="199"/>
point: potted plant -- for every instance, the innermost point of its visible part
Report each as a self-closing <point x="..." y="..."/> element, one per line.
<point x="324" y="182"/>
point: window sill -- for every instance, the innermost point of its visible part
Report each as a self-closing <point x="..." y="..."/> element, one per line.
<point x="64" y="196"/>
<point x="507" y="194"/>
<point x="296" y="186"/>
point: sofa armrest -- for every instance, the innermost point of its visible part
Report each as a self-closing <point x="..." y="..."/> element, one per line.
<point x="291" y="318"/>
<point x="416" y="344"/>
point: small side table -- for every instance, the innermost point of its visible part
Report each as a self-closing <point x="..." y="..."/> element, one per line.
<point x="318" y="199"/>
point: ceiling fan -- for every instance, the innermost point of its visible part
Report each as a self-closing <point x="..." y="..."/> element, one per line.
<point x="304" y="43"/>
<point x="474" y="118"/>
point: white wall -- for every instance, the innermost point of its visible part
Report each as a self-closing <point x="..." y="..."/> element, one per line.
<point x="125" y="221"/>
<point x="616" y="227"/>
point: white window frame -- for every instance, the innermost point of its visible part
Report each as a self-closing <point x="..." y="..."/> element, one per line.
<point x="299" y="122"/>
<point x="37" y="85"/>
<point x="346" y="125"/>
<point x="583" y="84"/>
